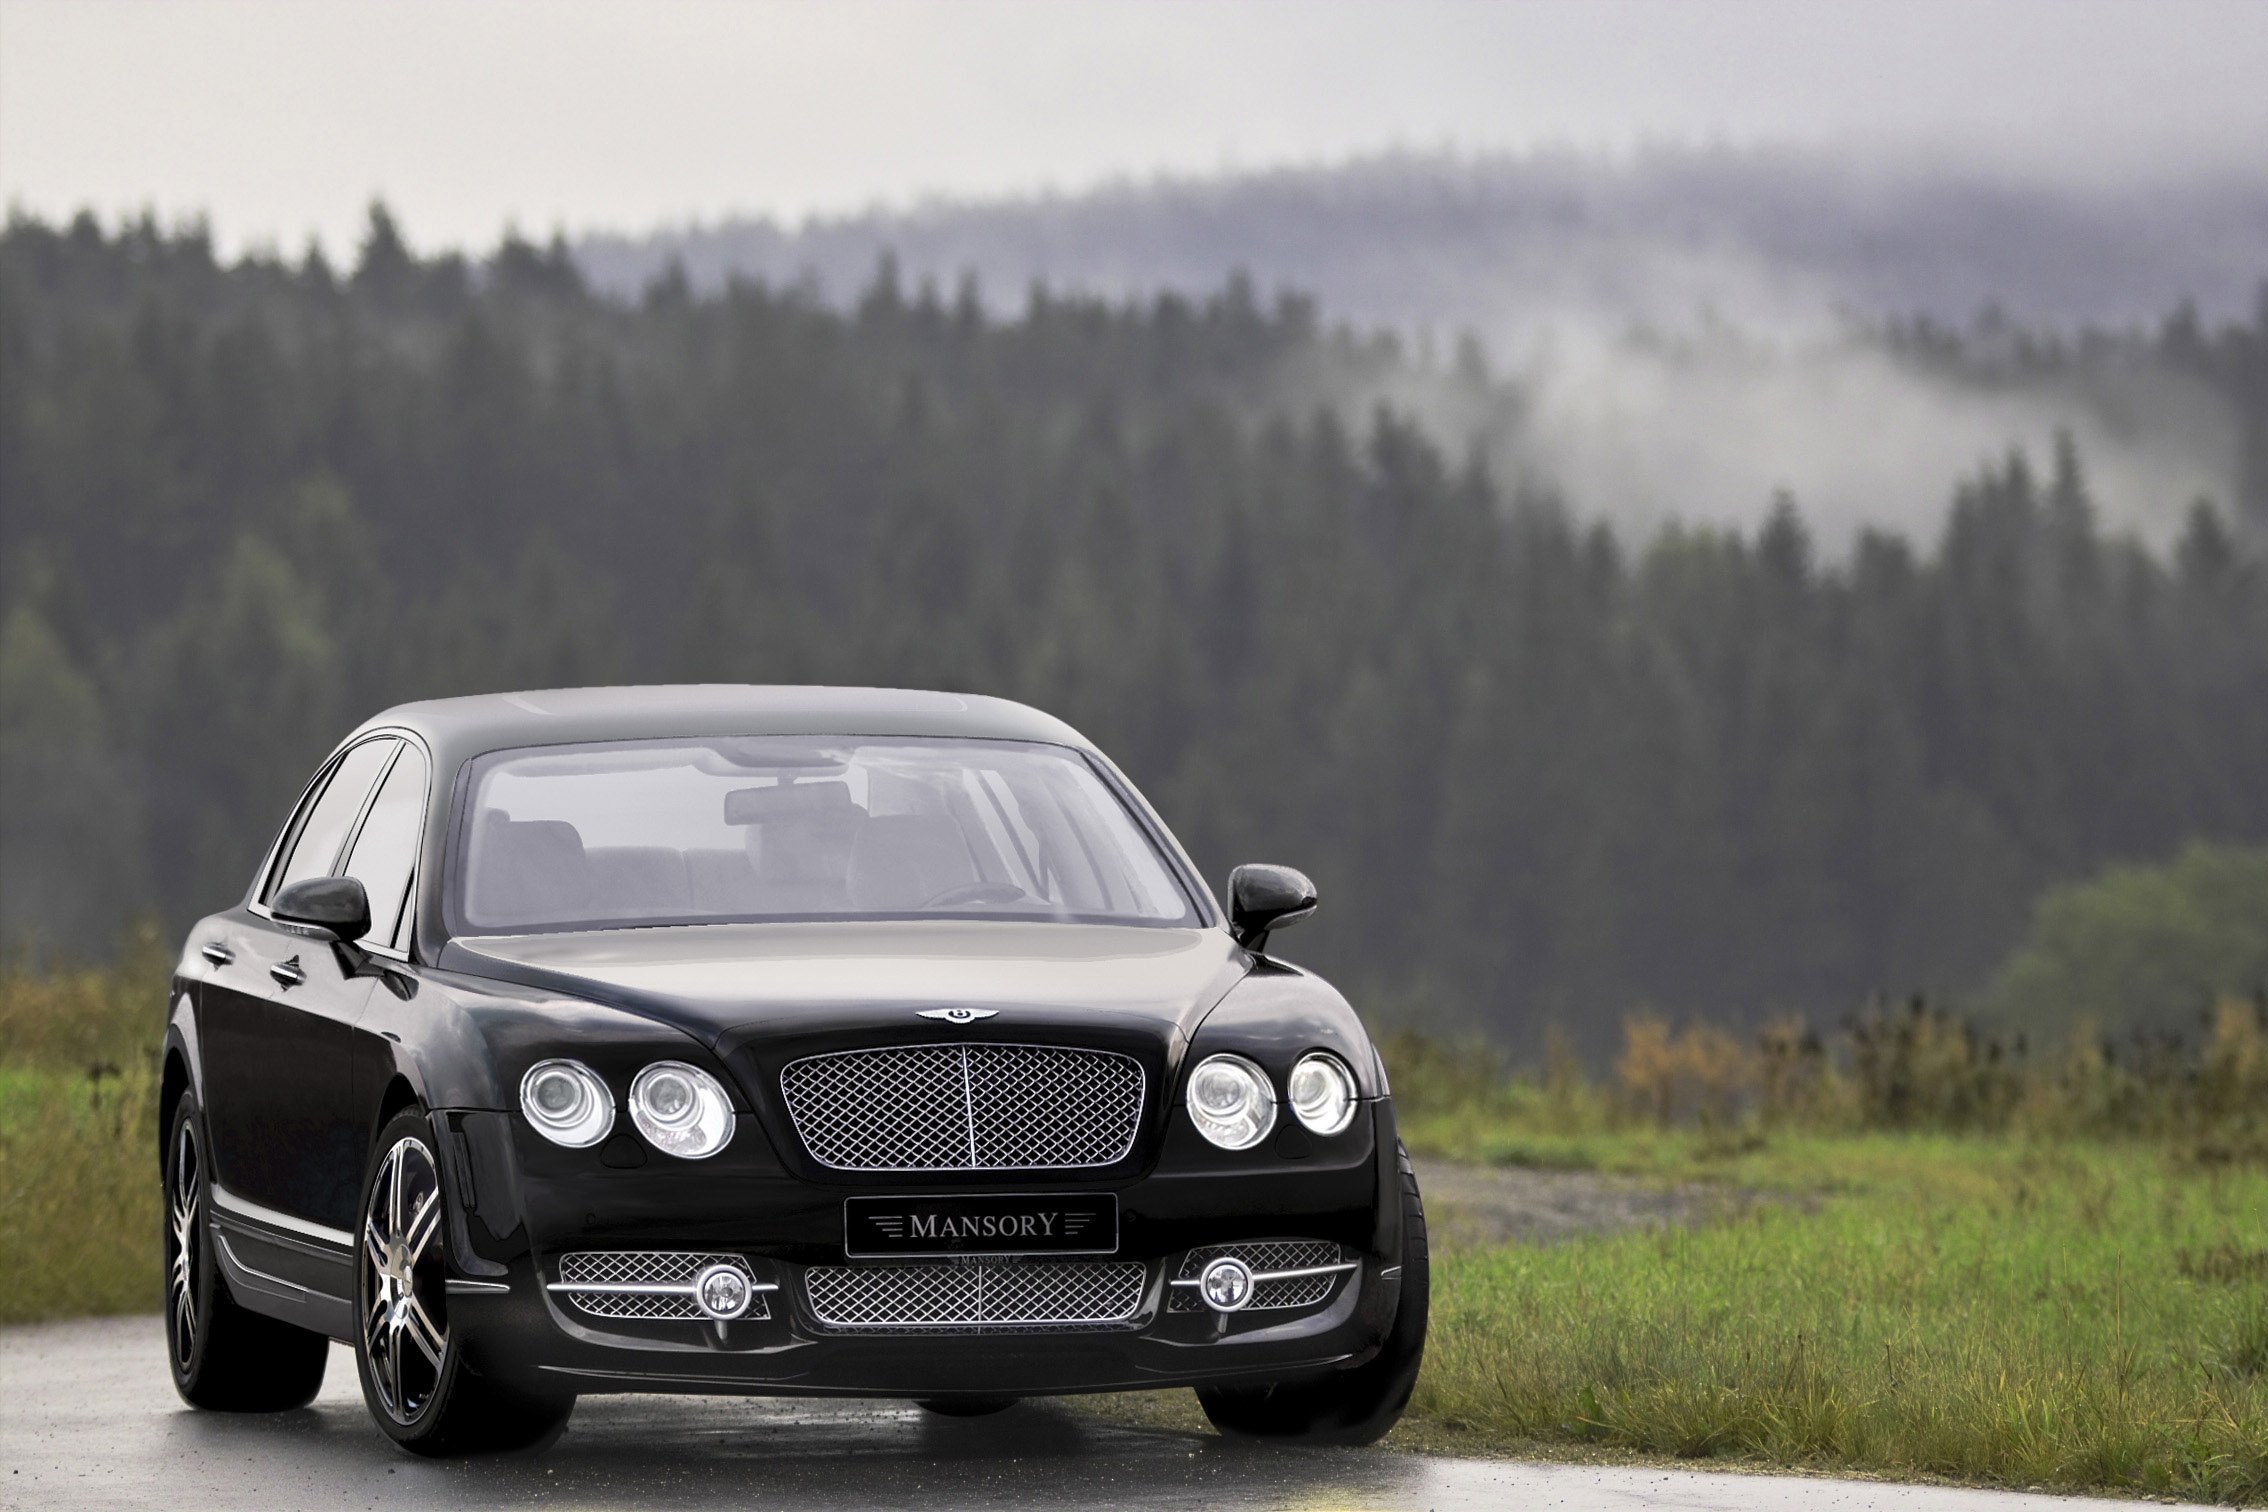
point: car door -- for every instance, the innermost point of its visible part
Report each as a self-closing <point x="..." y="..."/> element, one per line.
<point x="275" y="1024"/>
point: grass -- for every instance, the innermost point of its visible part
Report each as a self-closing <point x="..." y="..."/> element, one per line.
<point x="2072" y="1317"/>
<point x="78" y="1194"/>
<point x="2007" y="1271"/>
<point x="78" y="1137"/>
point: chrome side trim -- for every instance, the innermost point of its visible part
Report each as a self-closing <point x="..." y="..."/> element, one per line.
<point x="264" y="1278"/>
<point x="457" y="1288"/>
<point x="245" y="1207"/>
<point x="641" y="1289"/>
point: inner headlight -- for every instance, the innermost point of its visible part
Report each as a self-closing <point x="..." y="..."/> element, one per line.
<point x="567" y="1103"/>
<point x="1231" y="1102"/>
<point x="681" y="1110"/>
<point x="1323" y="1093"/>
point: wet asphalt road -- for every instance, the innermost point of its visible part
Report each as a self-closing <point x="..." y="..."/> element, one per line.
<point x="88" y="1419"/>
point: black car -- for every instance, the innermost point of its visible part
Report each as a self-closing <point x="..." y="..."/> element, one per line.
<point x="769" y="1040"/>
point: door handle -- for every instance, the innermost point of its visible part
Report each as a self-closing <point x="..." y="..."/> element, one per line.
<point x="217" y="953"/>
<point x="288" y="973"/>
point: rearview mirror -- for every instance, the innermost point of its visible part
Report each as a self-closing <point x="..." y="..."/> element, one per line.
<point x="1264" y="898"/>
<point x="333" y="906"/>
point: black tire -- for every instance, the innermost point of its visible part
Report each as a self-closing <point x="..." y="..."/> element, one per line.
<point x="415" y="1380"/>
<point x="224" y="1357"/>
<point x="966" y="1407"/>
<point x="1354" y="1406"/>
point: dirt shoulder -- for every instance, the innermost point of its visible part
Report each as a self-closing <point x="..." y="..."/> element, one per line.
<point x="1467" y="1205"/>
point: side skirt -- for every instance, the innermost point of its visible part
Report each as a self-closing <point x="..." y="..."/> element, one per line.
<point x="284" y="1267"/>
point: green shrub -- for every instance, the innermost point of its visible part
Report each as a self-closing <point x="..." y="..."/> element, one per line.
<point x="2146" y="948"/>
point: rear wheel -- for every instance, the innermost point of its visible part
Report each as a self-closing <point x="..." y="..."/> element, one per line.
<point x="414" y="1376"/>
<point x="223" y="1356"/>
<point x="1354" y="1406"/>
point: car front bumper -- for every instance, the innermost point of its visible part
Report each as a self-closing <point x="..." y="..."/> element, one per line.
<point x="519" y="1329"/>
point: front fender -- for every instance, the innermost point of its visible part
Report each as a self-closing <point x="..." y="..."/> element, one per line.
<point x="1279" y="1012"/>
<point x="463" y="1043"/>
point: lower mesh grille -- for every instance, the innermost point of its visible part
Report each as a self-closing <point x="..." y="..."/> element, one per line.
<point x="1045" y="1294"/>
<point x="1261" y="1256"/>
<point x="654" y="1268"/>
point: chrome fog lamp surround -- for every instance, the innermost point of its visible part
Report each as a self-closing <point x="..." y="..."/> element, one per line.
<point x="723" y="1292"/>
<point x="1322" y="1093"/>
<point x="1226" y="1284"/>
<point x="567" y="1102"/>
<point x="1231" y="1101"/>
<point x="681" y="1110"/>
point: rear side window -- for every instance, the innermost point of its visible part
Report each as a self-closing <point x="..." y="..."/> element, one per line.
<point x="314" y="849"/>
<point x="385" y="853"/>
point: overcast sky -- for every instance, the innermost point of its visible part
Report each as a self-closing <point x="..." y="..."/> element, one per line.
<point x="281" y="121"/>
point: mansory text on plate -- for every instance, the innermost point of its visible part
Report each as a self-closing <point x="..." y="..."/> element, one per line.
<point x="772" y="1040"/>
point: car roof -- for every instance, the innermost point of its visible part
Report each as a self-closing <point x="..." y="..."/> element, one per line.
<point x="457" y="729"/>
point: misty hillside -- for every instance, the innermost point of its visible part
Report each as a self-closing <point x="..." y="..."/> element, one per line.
<point x="1678" y="336"/>
<point x="1506" y="245"/>
<point x="1541" y="769"/>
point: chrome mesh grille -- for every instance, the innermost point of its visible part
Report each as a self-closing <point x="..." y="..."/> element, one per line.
<point x="645" y="1268"/>
<point x="965" y="1107"/>
<point x="1264" y="1255"/>
<point x="637" y="1305"/>
<point x="918" y="1298"/>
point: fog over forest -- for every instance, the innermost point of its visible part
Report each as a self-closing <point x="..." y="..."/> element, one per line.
<point x="1543" y="768"/>
<point x="1681" y="334"/>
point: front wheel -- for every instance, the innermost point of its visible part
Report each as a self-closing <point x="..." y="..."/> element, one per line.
<point x="224" y="1357"/>
<point x="414" y="1376"/>
<point x="1354" y="1406"/>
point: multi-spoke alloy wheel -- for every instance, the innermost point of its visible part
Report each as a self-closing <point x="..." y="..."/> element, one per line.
<point x="415" y="1377"/>
<point x="182" y="1234"/>
<point x="405" y="1324"/>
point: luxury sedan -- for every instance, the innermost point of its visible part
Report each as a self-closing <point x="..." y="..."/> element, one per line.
<point x="769" y="1040"/>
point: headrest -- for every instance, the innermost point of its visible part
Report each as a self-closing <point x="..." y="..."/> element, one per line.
<point x="761" y="805"/>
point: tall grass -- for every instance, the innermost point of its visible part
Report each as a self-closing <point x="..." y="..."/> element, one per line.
<point x="1915" y="1067"/>
<point x="2076" y="1316"/>
<point x="79" y="1137"/>
<point x="78" y="1194"/>
<point x="2017" y="1269"/>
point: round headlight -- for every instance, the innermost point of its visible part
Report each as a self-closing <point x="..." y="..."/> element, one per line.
<point x="567" y="1103"/>
<point x="1231" y="1102"/>
<point x="1323" y="1093"/>
<point x="681" y="1110"/>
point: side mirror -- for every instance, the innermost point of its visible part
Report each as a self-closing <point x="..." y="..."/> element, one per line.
<point x="1264" y="898"/>
<point x="333" y="906"/>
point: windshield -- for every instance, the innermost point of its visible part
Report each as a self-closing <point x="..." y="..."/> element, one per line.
<point x="649" y="832"/>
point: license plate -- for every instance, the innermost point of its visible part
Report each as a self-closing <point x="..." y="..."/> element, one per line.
<point x="1014" y="1224"/>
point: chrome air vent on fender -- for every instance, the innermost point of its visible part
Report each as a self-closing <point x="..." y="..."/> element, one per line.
<point x="965" y="1107"/>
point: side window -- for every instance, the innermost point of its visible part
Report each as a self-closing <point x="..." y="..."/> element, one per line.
<point x="315" y="848"/>
<point x="385" y="853"/>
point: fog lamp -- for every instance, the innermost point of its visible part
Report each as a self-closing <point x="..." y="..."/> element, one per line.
<point x="722" y="1292"/>
<point x="1226" y="1284"/>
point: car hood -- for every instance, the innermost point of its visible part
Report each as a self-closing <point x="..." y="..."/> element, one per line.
<point x="736" y="985"/>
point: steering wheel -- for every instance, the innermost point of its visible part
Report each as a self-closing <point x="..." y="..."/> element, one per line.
<point x="977" y="892"/>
